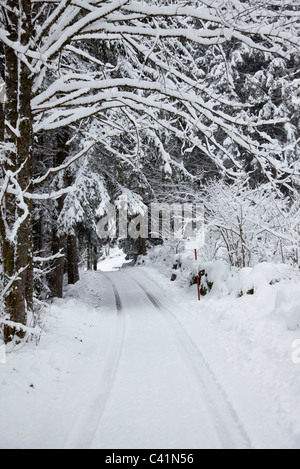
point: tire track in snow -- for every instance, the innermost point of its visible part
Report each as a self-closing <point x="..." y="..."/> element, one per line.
<point x="117" y="296"/>
<point x="229" y="428"/>
<point x="89" y="419"/>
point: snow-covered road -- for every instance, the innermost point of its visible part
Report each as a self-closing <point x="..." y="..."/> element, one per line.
<point x="159" y="391"/>
<point x="128" y="361"/>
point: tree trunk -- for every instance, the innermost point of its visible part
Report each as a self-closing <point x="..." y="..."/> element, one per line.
<point x="142" y="246"/>
<point x="59" y="241"/>
<point x="58" y="267"/>
<point x="89" y="255"/>
<point x="95" y="260"/>
<point x="24" y="255"/>
<point x="72" y="256"/>
<point x="16" y="213"/>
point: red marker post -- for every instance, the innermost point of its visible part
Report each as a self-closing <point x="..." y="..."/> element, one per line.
<point x="198" y="280"/>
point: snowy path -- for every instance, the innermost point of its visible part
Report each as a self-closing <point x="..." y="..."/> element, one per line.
<point x="162" y="393"/>
<point x="129" y="361"/>
<point x="102" y="379"/>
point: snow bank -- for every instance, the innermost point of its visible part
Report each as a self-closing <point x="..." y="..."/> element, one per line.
<point x="248" y="347"/>
<point x="45" y="387"/>
<point x="262" y="275"/>
<point x="220" y="281"/>
<point x="287" y="305"/>
<point x="217" y="278"/>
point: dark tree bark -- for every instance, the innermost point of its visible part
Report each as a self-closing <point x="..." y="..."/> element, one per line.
<point x="7" y="212"/>
<point x="89" y="256"/>
<point x="142" y="247"/>
<point x="59" y="241"/>
<point x="92" y="253"/>
<point x="25" y="152"/>
<point x="95" y="260"/>
<point x="63" y="243"/>
<point x="72" y="257"/>
<point x="17" y="250"/>
<point x="58" y="267"/>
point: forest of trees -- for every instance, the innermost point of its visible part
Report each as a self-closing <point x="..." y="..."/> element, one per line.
<point x="155" y="100"/>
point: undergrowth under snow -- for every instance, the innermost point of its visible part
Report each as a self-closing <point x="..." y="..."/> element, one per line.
<point x="218" y="280"/>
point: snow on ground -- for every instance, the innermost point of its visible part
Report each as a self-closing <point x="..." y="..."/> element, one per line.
<point x="45" y="386"/>
<point x="250" y="349"/>
<point x="131" y="360"/>
<point x="114" y="261"/>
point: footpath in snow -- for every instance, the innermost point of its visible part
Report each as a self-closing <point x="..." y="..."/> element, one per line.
<point x="129" y="360"/>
